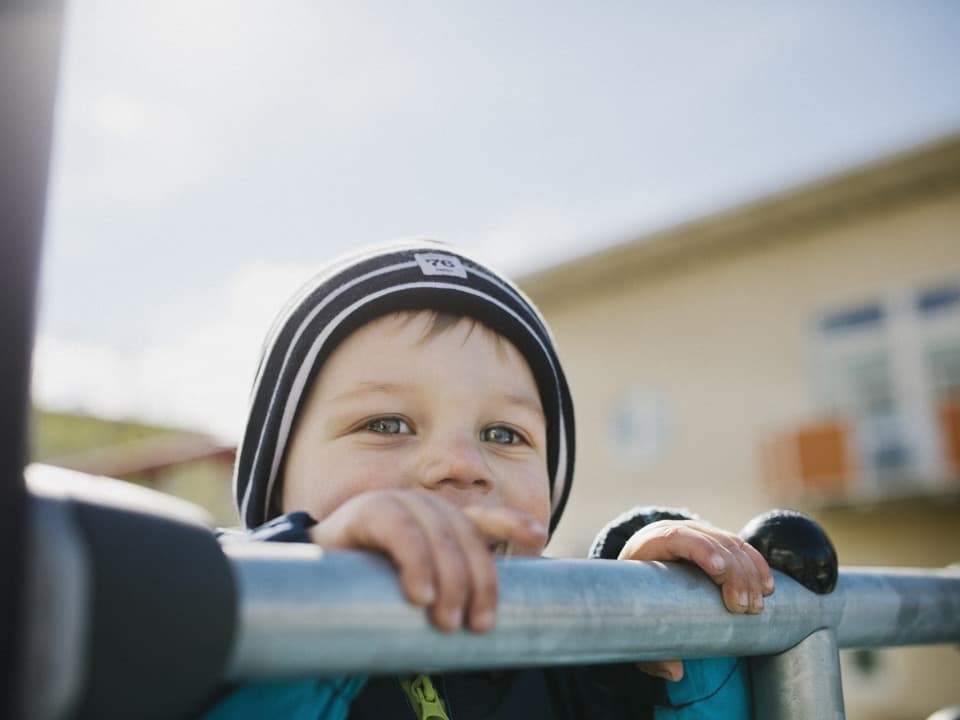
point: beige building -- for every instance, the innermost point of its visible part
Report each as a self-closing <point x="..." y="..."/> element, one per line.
<point x="802" y="351"/>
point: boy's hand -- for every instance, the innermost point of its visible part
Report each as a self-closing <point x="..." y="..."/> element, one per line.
<point x="737" y="567"/>
<point x="443" y="552"/>
<point x="732" y="563"/>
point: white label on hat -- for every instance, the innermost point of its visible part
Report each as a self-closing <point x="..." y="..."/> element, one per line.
<point x="440" y="264"/>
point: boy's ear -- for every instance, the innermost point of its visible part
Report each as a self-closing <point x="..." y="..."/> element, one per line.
<point x="610" y="540"/>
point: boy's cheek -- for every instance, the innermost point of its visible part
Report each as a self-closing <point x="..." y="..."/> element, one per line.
<point x="347" y="482"/>
<point x="529" y="493"/>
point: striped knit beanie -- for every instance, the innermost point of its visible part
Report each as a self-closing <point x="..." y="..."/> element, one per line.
<point x="421" y="275"/>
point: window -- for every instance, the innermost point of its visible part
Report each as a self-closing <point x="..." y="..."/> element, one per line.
<point x="890" y="366"/>
<point x="938" y="311"/>
<point x="857" y="380"/>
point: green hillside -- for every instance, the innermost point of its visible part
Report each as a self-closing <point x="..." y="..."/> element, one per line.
<point x="61" y="434"/>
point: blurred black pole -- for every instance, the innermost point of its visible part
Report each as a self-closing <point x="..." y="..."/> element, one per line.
<point x="30" y="32"/>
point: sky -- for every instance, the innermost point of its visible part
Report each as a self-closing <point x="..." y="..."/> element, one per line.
<point x="209" y="156"/>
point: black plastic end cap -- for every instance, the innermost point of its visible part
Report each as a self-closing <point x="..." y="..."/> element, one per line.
<point x="163" y="613"/>
<point x="796" y="545"/>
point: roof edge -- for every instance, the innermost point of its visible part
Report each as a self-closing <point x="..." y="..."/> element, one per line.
<point x="885" y="183"/>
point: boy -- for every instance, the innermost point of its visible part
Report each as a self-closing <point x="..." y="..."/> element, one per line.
<point x="410" y="401"/>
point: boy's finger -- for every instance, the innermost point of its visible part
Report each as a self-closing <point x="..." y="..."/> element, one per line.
<point x="396" y="533"/>
<point x="673" y="540"/>
<point x="763" y="568"/>
<point x="447" y="558"/>
<point x="400" y="534"/>
<point x="524" y="533"/>
<point x="739" y="579"/>
<point x="481" y="600"/>
<point x="709" y="549"/>
<point x="723" y="563"/>
<point x="747" y="583"/>
<point x="411" y="554"/>
<point x="671" y="670"/>
<point x="752" y="574"/>
<point x="482" y="603"/>
<point x="735" y="587"/>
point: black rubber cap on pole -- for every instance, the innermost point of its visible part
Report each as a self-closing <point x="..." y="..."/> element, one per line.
<point x="163" y="614"/>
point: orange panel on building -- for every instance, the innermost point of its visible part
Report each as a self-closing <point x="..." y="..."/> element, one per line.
<point x="822" y="455"/>
<point x="812" y="458"/>
<point x="950" y="431"/>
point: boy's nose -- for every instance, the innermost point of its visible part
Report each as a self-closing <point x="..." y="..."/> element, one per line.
<point x="456" y="466"/>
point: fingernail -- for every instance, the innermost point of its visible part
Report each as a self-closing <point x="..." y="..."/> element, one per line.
<point x="536" y="527"/>
<point x="718" y="563"/>
<point x="768" y="584"/>
<point x="452" y="619"/>
<point x="758" y="602"/>
<point x="669" y="674"/>
<point x="425" y="594"/>
<point x="742" y="599"/>
<point x="484" y="621"/>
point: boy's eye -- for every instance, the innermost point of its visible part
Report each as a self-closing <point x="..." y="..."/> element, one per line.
<point x="500" y="434"/>
<point x="388" y="426"/>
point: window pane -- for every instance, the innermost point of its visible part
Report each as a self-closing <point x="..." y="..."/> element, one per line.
<point x="866" y="316"/>
<point x="939" y="298"/>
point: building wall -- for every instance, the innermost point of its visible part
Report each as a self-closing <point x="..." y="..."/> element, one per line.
<point x="709" y="352"/>
<point x="720" y="350"/>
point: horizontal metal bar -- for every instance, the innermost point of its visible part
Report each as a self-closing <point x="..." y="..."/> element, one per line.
<point x="303" y="611"/>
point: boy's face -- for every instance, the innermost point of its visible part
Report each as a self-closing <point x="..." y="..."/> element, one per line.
<point x="455" y="412"/>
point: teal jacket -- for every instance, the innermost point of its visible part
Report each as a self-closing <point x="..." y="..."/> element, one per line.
<point x="714" y="689"/>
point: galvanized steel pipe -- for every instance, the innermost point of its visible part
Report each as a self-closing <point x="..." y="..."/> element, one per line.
<point x="803" y="682"/>
<point x="306" y="612"/>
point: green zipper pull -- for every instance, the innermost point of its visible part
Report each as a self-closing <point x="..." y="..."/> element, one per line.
<point x="426" y="701"/>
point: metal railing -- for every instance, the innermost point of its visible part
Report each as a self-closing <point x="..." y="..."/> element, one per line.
<point x="115" y="572"/>
<point x="303" y="611"/>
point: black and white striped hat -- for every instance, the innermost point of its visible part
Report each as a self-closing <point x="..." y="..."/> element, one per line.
<point x="409" y="276"/>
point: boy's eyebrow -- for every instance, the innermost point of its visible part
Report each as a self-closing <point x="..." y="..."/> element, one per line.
<point x="364" y="387"/>
<point x="370" y="386"/>
<point x="525" y="401"/>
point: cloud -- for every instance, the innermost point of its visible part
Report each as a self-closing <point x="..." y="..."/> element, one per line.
<point x="199" y="379"/>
